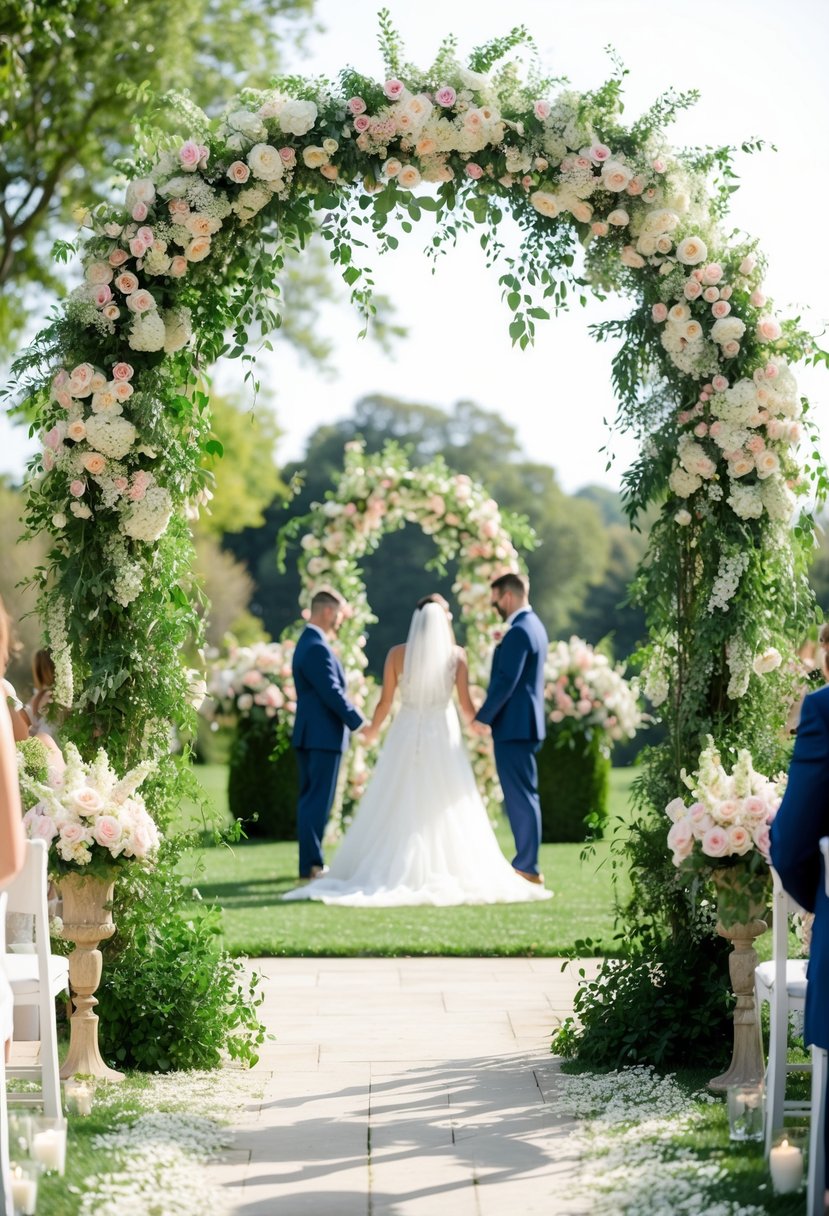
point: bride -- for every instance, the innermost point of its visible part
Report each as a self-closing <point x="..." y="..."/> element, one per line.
<point x="421" y="834"/>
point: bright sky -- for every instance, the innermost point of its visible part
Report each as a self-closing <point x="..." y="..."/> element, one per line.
<point x="759" y="66"/>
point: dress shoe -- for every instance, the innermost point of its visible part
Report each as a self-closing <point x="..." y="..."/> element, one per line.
<point x="538" y="879"/>
<point x="318" y="871"/>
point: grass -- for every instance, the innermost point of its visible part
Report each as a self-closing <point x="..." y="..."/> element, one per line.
<point x="248" y="880"/>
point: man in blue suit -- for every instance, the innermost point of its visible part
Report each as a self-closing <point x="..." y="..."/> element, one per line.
<point x="795" y="853"/>
<point x="324" y="717"/>
<point x="514" y="709"/>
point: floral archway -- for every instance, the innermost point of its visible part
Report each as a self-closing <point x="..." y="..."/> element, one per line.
<point x="191" y="251"/>
<point x="378" y="493"/>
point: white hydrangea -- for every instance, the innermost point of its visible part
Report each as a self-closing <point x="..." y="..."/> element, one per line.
<point x="297" y="117"/>
<point x="147" y="520"/>
<point x="147" y="332"/>
<point x="683" y="483"/>
<point x="738" y="656"/>
<point x="745" y="500"/>
<point x="250" y="202"/>
<point x="111" y="435"/>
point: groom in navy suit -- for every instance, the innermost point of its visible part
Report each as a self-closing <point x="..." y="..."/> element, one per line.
<point x="324" y="717"/>
<point x="514" y="709"/>
<point x="795" y="853"/>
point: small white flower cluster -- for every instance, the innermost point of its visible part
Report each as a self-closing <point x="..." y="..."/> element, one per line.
<point x="582" y="685"/>
<point x="88" y="811"/>
<point x="732" y="567"/>
<point x="63" y="692"/>
<point x="731" y="813"/>
<point x="739" y="658"/>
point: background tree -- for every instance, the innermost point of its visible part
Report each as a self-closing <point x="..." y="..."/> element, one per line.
<point x="64" y="115"/>
<point x="244" y="467"/>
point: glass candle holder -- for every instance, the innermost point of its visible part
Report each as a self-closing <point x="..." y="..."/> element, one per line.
<point x="786" y="1160"/>
<point x="745" y="1111"/>
<point x="24" y="1187"/>
<point x="78" y="1096"/>
<point x="49" y="1144"/>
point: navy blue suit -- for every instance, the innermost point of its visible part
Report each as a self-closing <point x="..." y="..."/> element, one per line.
<point x="798" y="826"/>
<point x="324" y="717"/>
<point x="514" y="709"/>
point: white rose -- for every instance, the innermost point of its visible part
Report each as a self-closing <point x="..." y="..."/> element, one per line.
<point x="314" y="156"/>
<point x="246" y="123"/>
<point x="767" y="661"/>
<point x="265" y="163"/>
<point x="297" y="117"/>
<point x="691" y="251"/>
<point x="545" y="203"/>
<point x="727" y="329"/>
<point x="615" y="176"/>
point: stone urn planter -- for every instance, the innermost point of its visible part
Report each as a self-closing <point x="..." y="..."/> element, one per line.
<point x="87" y="920"/>
<point x="741" y="907"/>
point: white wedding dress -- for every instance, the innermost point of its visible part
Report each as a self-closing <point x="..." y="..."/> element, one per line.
<point x="421" y="834"/>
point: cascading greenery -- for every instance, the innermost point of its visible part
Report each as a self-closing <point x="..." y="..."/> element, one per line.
<point x="186" y="268"/>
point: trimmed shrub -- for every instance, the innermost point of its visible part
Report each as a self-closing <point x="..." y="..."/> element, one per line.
<point x="262" y="790"/>
<point x="573" y="782"/>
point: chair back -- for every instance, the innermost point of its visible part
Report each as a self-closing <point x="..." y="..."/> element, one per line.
<point x="783" y="908"/>
<point x="824" y="848"/>
<point x="27" y="892"/>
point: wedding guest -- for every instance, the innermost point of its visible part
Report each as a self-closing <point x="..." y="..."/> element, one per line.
<point x="12" y="841"/>
<point x="43" y="677"/>
<point x="800" y="823"/>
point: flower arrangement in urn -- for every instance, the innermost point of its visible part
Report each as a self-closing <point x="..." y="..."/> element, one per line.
<point x="91" y="819"/>
<point x="724" y="833"/>
<point x="253" y="682"/>
<point x="585" y="693"/>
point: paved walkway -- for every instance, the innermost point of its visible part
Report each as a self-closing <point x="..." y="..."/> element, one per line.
<point x="407" y="1087"/>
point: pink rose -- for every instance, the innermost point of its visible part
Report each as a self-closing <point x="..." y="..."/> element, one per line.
<point x="711" y="294"/>
<point x="393" y="88"/>
<point x="39" y="827"/>
<point x="73" y="833"/>
<point x="238" y="171"/>
<point x="659" y="312"/>
<point x="178" y="267"/>
<point x="329" y="172"/>
<point x="701" y="430"/>
<point x="748" y="263"/>
<point x="720" y="308"/>
<point x="739" y="840"/>
<point x="356" y="105"/>
<point x="123" y="371"/>
<point x="189" y="155"/>
<point x="599" y="153"/>
<point x="715" y="842"/>
<point x="179" y="209"/>
<point x="111" y="311"/>
<point x="680" y="834"/>
<point x="288" y="156"/>
<point x="771" y="371"/>
<point x="541" y="109"/>
<point x="118" y="257"/>
<point x="712" y="273"/>
<point x="127" y="282"/>
<point x="140" y="212"/>
<point x="120" y="484"/>
<point x="474" y="170"/>
<point x="446" y="96"/>
<point x="768" y="329"/>
<point x="726" y="292"/>
<point x="94" y="463"/>
<point x="762" y="840"/>
<point x="599" y="228"/>
<point x="362" y="123"/>
<point x="658" y="165"/>
<point x="140" y="301"/>
<point x="757" y="298"/>
<point x="103" y="295"/>
<point x="692" y="290"/>
<point x="87" y="801"/>
<point x="54" y="437"/>
<point x="83" y="374"/>
<point x="719" y="384"/>
<point x="146" y="236"/>
<point x="730" y="349"/>
<point x="107" y="831"/>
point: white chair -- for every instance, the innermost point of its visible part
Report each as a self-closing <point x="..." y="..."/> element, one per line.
<point x="817" y="1155"/>
<point x="6" y="1020"/>
<point x="781" y="982"/>
<point x="37" y="979"/>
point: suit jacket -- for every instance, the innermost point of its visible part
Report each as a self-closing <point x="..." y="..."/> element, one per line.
<point x="324" y="714"/>
<point x="798" y="826"/>
<point x="514" y="705"/>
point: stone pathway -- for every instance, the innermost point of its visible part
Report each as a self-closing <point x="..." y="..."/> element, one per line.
<point x="406" y="1087"/>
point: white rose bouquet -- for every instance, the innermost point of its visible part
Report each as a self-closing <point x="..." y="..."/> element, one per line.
<point x="726" y="827"/>
<point x="91" y="819"/>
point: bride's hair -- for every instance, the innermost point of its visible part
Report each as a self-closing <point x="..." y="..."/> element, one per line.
<point x="434" y="598"/>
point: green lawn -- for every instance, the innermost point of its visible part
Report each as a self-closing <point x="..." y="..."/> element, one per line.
<point x="248" y="879"/>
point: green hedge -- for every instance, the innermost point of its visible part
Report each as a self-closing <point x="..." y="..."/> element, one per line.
<point x="261" y="791"/>
<point x="573" y="782"/>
